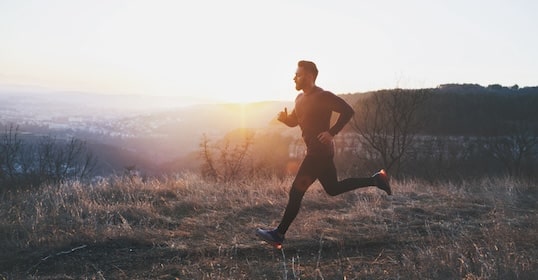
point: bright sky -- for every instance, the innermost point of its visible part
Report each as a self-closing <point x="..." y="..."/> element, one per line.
<point x="240" y="50"/>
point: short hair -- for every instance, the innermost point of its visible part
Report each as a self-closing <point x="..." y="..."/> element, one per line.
<point x="309" y="66"/>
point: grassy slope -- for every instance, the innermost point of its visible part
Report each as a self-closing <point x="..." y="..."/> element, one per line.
<point x="186" y="228"/>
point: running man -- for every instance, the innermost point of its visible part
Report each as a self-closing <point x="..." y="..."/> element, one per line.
<point x="312" y="112"/>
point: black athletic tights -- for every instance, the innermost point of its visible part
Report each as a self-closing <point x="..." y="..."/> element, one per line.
<point x="323" y="169"/>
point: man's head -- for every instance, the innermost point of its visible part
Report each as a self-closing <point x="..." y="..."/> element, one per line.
<point x="305" y="77"/>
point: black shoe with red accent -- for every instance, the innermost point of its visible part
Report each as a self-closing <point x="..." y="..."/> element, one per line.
<point x="272" y="237"/>
<point x="382" y="181"/>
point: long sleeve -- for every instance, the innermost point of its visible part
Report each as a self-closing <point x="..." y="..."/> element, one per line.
<point x="313" y="114"/>
<point x="346" y="112"/>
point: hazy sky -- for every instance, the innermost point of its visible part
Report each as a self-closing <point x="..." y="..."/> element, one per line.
<point x="237" y="50"/>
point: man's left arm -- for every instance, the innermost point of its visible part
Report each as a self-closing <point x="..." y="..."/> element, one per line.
<point x="339" y="105"/>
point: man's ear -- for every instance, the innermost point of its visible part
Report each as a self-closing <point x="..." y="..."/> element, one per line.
<point x="311" y="77"/>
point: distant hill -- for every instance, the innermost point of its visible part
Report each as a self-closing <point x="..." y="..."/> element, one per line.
<point x="474" y="110"/>
<point x="125" y="131"/>
<point x="478" y="89"/>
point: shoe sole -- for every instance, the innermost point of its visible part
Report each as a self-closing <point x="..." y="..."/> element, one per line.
<point x="276" y="245"/>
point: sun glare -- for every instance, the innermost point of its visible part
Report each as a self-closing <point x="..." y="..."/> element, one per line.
<point x="236" y="51"/>
<point x="243" y="115"/>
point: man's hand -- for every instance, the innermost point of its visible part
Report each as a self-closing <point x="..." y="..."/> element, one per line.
<point x="325" y="137"/>
<point x="283" y="116"/>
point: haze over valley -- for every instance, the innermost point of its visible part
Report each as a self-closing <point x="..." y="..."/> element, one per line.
<point x="161" y="134"/>
<point x="123" y="130"/>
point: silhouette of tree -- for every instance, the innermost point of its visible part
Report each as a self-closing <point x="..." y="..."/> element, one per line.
<point x="50" y="160"/>
<point x="387" y="122"/>
<point x="231" y="150"/>
<point x="516" y="146"/>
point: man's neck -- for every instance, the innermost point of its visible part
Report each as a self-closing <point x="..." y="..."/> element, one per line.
<point x="310" y="89"/>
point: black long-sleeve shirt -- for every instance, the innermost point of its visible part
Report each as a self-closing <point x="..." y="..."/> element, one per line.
<point x="313" y="112"/>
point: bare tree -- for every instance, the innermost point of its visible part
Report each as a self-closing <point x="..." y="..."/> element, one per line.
<point x="515" y="148"/>
<point x="387" y="122"/>
<point x="233" y="157"/>
<point x="10" y="149"/>
<point x="47" y="161"/>
<point x="58" y="160"/>
<point x="206" y="153"/>
<point x="232" y="151"/>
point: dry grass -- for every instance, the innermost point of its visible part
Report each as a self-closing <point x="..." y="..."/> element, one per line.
<point x="184" y="228"/>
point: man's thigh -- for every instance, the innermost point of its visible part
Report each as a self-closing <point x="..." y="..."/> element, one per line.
<point x="313" y="168"/>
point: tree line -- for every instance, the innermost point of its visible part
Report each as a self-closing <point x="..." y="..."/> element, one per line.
<point x="453" y="131"/>
<point x="435" y="133"/>
<point x="27" y="162"/>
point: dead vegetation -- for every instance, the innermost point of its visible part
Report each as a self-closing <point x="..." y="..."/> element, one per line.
<point x="186" y="228"/>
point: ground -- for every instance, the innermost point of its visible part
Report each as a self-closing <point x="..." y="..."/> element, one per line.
<point x="190" y="229"/>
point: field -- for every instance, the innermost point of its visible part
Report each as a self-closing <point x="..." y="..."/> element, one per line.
<point x="183" y="227"/>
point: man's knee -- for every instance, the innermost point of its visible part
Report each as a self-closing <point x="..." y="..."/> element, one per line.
<point x="331" y="191"/>
<point x="301" y="184"/>
<point x="331" y="188"/>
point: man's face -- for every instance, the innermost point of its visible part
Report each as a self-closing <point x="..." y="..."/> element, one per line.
<point x="302" y="78"/>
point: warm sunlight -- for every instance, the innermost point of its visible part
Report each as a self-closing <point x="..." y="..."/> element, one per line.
<point x="243" y="51"/>
<point x="172" y="139"/>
